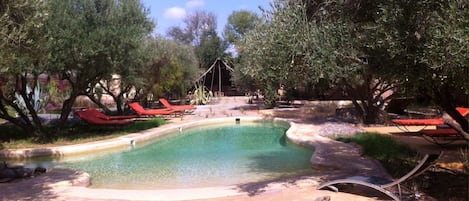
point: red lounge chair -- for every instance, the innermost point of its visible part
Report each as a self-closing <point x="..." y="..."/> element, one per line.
<point x="440" y="132"/>
<point x="151" y="112"/>
<point x="428" y="122"/>
<point x="419" y="122"/>
<point x="176" y="107"/>
<point x="92" y="119"/>
<point x="441" y="136"/>
<point x="100" y="115"/>
<point x="464" y="111"/>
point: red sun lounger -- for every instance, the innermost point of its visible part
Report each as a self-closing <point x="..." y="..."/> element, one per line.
<point x="92" y="119"/>
<point x="419" y="122"/>
<point x="428" y="122"/>
<point x="441" y="136"/>
<point x="101" y="115"/>
<point x="176" y="107"/>
<point x="150" y="112"/>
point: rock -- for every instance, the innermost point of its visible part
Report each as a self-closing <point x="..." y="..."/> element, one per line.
<point x="39" y="170"/>
<point x="3" y="165"/>
<point x="82" y="179"/>
<point x="7" y="173"/>
<point x="323" y="198"/>
<point x="18" y="171"/>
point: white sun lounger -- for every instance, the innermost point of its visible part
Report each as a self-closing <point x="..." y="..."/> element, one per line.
<point x="382" y="184"/>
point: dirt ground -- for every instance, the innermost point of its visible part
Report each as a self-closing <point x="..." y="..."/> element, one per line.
<point x="447" y="183"/>
<point x="449" y="180"/>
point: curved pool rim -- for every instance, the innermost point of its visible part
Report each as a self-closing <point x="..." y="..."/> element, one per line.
<point x="292" y="134"/>
<point x="129" y="140"/>
<point x="297" y="133"/>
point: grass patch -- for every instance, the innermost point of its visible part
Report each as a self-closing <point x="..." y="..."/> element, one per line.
<point x="12" y="137"/>
<point x="397" y="158"/>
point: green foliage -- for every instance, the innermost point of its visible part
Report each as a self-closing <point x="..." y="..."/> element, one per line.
<point x="171" y="81"/>
<point x="238" y="24"/>
<point x="22" y="59"/>
<point x="57" y="96"/>
<point x="243" y="82"/>
<point x="404" y="42"/>
<point x="200" y="32"/>
<point x="11" y="133"/>
<point x="420" y="45"/>
<point x="196" y="24"/>
<point x="396" y="157"/>
<point x="98" y="90"/>
<point x="14" y="137"/>
<point x="210" y="49"/>
<point x="169" y="70"/>
<point x="282" y="50"/>
<point x="143" y="125"/>
<point x="22" y="41"/>
<point x="89" y="40"/>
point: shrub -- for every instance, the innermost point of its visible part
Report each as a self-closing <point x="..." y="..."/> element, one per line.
<point x="397" y="158"/>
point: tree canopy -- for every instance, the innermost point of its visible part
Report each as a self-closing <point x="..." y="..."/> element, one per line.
<point x="239" y="23"/>
<point x="356" y="44"/>
<point x="170" y="68"/>
<point x="82" y="41"/>
<point x="200" y="31"/>
<point x="22" y="59"/>
<point x="92" y="39"/>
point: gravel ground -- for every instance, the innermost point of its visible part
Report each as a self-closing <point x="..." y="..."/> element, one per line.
<point x="331" y="129"/>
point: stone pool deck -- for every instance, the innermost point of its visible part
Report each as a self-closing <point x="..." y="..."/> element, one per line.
<point x="331" y="160"/>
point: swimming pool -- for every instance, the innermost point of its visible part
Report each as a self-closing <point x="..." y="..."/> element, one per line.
<point x="226" y="154"/>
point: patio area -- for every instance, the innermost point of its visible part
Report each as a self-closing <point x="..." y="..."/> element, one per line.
<point x="331" y="159"/>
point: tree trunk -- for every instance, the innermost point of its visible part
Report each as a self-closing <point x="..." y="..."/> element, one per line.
<point x="445" y="100"/>
<point x="269" y="96"/>
<point x="451" y="122"/>
<point x="27" y="127"/>
<point x="66" y="109"/>
<point x="97" y="102"/>
<point x="365" y="99"/>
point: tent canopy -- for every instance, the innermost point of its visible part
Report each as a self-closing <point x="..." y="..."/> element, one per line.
<point x="217" y="78"/>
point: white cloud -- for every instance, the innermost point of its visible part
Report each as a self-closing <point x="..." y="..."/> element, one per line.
<point x="174" y="13"/>
<point x="195" y="3"/>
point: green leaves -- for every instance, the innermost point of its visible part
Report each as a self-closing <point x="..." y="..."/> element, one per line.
<point x="239" y="23"/>
<point x="169" y="69"/>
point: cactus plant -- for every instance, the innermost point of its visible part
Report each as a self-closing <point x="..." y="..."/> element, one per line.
<point x="35" y="99"/>
<point x="201" y="95"/>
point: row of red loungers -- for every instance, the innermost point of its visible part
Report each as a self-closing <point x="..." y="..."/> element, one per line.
<point x="443" y="134"/>
<point x="93" y="116"/>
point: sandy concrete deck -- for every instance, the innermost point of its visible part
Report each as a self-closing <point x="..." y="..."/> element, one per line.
<point x="331" y="159"/>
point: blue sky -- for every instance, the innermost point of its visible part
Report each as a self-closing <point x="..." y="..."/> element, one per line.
<point x="167" y="13"/>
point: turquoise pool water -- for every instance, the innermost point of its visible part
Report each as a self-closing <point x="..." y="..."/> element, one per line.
<point x="200" y="157"/>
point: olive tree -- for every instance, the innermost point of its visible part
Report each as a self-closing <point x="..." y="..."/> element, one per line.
<point x="22" y="59"/>
<point x="200" y="32"/>
<point x="92" y="39"/>
<point x="239" y="23"/>
<point x="423" y="46"/>
<point x="365" y="47"/>
<point x="281" y="50"/>
<point x="169" y="69"/>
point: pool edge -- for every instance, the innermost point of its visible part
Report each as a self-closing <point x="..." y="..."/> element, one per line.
<point x="121" y="141"/>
